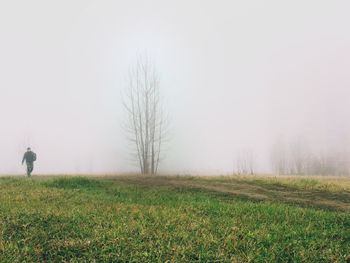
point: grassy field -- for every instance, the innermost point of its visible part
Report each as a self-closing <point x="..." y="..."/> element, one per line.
<point x="175" y="219"/>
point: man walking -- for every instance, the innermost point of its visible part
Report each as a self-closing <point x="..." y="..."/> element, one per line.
<point x="30" y="158"/>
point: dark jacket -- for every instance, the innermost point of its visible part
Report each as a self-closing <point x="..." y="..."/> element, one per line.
<point x="29" y="157"/>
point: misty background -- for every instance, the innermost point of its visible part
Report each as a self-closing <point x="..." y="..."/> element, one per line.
<point x="236" y="76"/>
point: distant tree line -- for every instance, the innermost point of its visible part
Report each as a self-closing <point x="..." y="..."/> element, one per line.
<point x="296" y="158"/>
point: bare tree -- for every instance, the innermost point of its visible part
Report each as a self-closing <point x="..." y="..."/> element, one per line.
<point x="279" y="158"/>
<point x="299" y="156"/>
<point x="146" y="123"/>
<point x="245" y="162"/>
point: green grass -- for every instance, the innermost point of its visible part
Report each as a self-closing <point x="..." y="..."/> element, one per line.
<point x="175" y="219"/>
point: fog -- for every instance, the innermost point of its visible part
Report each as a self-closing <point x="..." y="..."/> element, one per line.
<point x="236" y="76"/>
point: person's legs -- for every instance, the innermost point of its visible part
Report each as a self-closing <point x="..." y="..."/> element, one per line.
<point x="30" y="168"/>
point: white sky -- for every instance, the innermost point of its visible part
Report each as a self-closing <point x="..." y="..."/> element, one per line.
<point x="235" y="75"/>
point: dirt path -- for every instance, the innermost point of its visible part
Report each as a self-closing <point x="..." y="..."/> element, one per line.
<point x="247" y="190"/>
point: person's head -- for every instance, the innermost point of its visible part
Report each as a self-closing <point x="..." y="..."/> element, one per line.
<point x="28" y="149"/>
